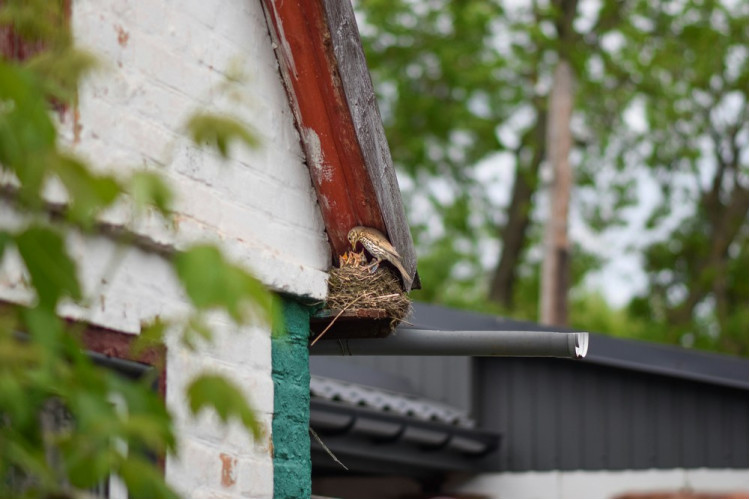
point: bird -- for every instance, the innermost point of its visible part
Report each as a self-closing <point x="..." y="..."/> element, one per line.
<point x="380" y="248"/>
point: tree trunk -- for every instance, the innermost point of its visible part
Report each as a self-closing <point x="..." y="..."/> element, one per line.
<point x="513" y="234"/>
<point x="728" y="223"/>
<point x="555" y="274"/>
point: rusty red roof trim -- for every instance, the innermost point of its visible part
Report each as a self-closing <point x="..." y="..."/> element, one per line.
<point x="308" y="66"/>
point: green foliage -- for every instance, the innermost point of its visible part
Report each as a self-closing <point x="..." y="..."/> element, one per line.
<point x="661" y="101"/>
<point x="148" y="189"/>
<point x="88" y="192"/>
<point x="144" y="480"/>
<point x="218" y="131"/>
<point x="40" y="21"/>
<point x="55" y="402"/>
<point x="60" y="72"/>
<point x="212" y="282"/>
<point x="27" y="136"/>
<point x="590" y="312"/>
<point x="215" y="391"/>
<point x="53" y="273"/>
<point x="67" y="424"/>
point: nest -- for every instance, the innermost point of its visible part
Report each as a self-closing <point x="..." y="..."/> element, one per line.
<point x="353" y="286"/>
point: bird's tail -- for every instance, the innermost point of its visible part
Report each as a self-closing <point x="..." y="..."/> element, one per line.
<point x="404" y="275"/>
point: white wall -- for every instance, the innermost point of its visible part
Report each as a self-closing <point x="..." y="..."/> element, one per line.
<point x="162" y="59"/>
<point x="602" y="484"/>
<point x="165" y="59"/>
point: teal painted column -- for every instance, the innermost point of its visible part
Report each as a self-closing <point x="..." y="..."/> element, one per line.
<point x="292" y="468"/>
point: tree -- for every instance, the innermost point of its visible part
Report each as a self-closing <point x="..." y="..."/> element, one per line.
<point x="442" y="106"/>
<point x="660" y="107"/>
<point x="44" y="370"/>
<point x="554" y="286"/>
<point x="691" y="88"/>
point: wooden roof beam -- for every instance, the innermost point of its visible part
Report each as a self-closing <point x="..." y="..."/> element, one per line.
<point x="316" y="42"/>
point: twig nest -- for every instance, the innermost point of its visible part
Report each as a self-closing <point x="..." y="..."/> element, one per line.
<point x="353" y="286"/>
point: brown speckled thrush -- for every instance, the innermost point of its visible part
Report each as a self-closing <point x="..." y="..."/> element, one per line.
<point x="380" y="248"/>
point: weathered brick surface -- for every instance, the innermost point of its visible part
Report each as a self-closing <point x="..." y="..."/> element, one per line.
<point x="162" y="60"/>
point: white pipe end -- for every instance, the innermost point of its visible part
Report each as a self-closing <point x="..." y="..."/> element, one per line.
<point x="582" y="344"/>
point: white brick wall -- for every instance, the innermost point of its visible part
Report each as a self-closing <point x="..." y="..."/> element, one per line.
<point x="163" y="59"/>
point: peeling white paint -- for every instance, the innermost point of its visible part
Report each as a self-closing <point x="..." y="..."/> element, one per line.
<point x="258" y="205"/>
<point x="323" y="170"/>
<point x="286" y="50"/>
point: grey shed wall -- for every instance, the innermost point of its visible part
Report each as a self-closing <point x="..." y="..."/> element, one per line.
<point x="557" y="414"/>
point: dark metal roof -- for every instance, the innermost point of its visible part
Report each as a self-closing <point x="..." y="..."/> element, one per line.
<point x="389" y="402"/>
<point x="376" y="422"/>
<point x="636" y="355"/>
<point x="374" y="441"/>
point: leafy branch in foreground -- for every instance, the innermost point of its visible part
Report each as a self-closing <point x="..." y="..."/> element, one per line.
<point x="61" y="415"/>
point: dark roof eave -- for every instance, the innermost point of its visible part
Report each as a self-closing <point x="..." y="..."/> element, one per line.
<point x="670" y="361"/>
<point x="628" y="354"/>
<point x="394" y="440"/>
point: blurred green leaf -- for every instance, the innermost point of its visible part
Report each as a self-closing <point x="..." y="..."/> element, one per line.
<point x="12" y="392"/>
<point x="89" y="193"/>
<point x="150" y="189"/>
<point x="88" y="461"/>
<point x="45" y="328"/>
<point x="143" y="402"/>
<point x="219" y="131"/>
<point x="195" y="329"/>
<point x="210" y="281"/>
<point x="27" y="135"/>
<point x="149" y="432"/>
<point x="92" y="409"/>
<point x="28" y="461"/>
<point x="217" y="392"/>
<point x="60" y="71"/>
<point x="150" y="336"/>
<point x="53" y="272"/>
<point x="5" y="238"/>
<point x="40" y="21"/>
<point x="143" y="480"/>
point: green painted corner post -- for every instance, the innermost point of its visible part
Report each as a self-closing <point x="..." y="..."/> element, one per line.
<point x="292" y="468"/>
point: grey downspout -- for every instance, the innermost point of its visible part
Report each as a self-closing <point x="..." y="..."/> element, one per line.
<point x="417" y="342"/>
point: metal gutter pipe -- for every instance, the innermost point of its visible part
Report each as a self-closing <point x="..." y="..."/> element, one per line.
<point x="416" y="342"/>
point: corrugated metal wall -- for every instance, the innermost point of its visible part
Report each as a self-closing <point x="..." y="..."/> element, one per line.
<point x="564" y="415"/>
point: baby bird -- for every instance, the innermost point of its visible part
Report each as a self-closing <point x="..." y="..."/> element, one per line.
<point x="380" y="248"/>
